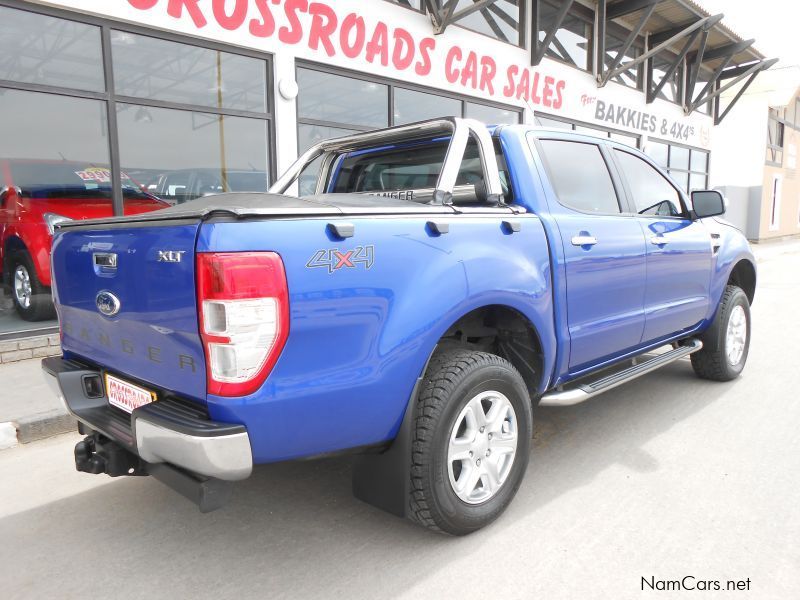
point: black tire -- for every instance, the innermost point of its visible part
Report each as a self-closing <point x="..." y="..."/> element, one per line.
<point x="453" y="378"/>
<point x="712" y="361"/>
<point x="40" y="305"/>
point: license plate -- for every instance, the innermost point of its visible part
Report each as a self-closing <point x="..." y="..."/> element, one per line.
<point x="125" y="395"/>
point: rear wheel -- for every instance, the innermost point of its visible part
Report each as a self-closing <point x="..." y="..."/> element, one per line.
<point x="727" y="342"/>
<point x="471" y="443"/>
<point x="31" y="299"/>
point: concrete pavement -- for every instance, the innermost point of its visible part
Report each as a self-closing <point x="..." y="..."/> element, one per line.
<point x="27" y="406"/>
<point x="664" y="478"/>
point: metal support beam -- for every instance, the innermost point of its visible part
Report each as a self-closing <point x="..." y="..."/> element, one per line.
<point x="657" y="48"/>
<point x="598" y="65"/>
<point x="736" y="71"/>
<point x="539" y="48"/>
<point x="689" y="104"/>
<point x="652" y="93"/>
<point x="443" y="14"/>
<point x="626" y="7"/>
<point x="660" y="36"/>
<point x="614" y="69"/>
<point x="719" y="116"/>
<point x="726" y="50"/>
<point x="694" y="67"/>
<point x="754" y="69"/>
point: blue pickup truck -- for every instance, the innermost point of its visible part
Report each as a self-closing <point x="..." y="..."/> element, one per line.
<point x="442" y="279"/>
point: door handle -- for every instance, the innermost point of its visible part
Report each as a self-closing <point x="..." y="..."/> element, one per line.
<point x="659" y="240"/>
<point x="583" y="240"/>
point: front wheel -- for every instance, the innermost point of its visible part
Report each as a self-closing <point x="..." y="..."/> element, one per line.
<point x="31" y="299"/>
<point x="472" y="435"/>
<point x="727" y="342"/>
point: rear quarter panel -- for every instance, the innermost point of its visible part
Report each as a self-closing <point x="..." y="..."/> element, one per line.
<point x="360" y="336"/>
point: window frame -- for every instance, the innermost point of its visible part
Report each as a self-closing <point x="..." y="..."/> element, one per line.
<point x="669" y="168"/>
<point x="573" y="124"/>
<point x="682" y="196"/>
<point x="392" y="84"/>
<point x="110" y="98"/>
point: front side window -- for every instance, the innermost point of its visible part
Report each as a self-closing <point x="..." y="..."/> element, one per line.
<point x="580" y="176"/>
<point x="652" y="194"/>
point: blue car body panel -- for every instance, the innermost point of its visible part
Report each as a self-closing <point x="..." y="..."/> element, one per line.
<point x="361" y="335"/>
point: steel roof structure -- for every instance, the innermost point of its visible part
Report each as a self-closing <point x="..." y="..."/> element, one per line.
<point x="678" y="33"/>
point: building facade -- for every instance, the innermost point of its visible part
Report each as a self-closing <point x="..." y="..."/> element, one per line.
<point x="756" y="157"/>
<point x="113" y="102"/>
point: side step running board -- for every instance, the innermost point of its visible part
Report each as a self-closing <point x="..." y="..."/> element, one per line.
<point x="585" y="391"/>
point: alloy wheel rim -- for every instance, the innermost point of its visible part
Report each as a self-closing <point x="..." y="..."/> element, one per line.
<point x="22" y="286"/>
<point x="736" y="335"/>
<point x="482" y="447"/>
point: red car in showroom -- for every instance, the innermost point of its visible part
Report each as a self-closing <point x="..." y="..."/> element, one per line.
<point x="35" y="195"/>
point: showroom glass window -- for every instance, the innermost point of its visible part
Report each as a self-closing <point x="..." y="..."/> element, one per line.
<point x="81" y="97"/>
<point x="194" y="120"/>
<point x="687" y="166"/>
<point x="54" y="145"/>
<point x="333" y="104"/>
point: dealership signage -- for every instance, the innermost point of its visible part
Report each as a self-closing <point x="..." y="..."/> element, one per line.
<point x="395" y="42"/>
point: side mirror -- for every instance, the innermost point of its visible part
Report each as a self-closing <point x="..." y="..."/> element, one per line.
<point x="5" y="192"/>
<point x="708" y="203"/>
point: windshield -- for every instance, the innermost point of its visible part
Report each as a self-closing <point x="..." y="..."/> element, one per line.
<point x="69" y="180"/>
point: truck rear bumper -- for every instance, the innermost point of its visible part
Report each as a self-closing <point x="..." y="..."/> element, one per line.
<point x="169" y="430"/>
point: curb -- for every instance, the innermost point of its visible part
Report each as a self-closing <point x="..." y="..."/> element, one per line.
<point x="36" y="427"/>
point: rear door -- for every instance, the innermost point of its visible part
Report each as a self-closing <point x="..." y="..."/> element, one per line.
<point x="678" y="250"/>
<point x="604" y="251"/>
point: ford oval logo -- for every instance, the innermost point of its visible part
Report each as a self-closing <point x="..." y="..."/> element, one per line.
<point x="107" y="303"/>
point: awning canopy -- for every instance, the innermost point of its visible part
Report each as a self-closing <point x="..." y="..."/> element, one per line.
<point x="681" y="37"/>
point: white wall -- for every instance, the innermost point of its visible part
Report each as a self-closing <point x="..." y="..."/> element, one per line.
<point x="738" y="147"/>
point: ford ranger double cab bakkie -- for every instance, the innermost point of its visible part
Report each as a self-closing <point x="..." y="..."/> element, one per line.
<point x="444" y="278"/>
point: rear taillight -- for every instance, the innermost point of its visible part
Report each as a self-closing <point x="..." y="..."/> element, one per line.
<point x="243" y="303"/>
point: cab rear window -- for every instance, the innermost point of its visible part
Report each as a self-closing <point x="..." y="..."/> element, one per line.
<point x="407" y="169"/>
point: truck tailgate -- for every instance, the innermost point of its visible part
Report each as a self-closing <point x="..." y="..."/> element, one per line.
<point x="147" y="273"/>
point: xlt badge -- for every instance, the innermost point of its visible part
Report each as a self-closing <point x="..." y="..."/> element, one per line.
<point x="172" y="256"/>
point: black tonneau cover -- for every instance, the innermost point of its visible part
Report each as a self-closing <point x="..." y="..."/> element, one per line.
<point x="250" y="204"/>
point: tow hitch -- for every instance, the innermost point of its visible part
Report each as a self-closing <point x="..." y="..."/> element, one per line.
<point x="99" y="455"/>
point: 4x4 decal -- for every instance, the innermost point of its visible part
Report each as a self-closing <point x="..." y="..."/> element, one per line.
<point x="334" y="259"/>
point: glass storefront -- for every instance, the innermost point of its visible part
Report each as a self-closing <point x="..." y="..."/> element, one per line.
<point x="333" y="104"/>
<point x="687" y="166"/>
<point x="100" y="119"/>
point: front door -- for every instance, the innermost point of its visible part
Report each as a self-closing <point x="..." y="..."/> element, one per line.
<point x="679" y="250"/>
<point x="604" y="252"/>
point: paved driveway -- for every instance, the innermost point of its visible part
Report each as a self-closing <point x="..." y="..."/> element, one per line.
<point x="664" y="478"/>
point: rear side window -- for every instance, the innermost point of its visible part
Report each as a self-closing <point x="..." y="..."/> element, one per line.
<point x="580" y="176"/>
<point x="652" y="193"/>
